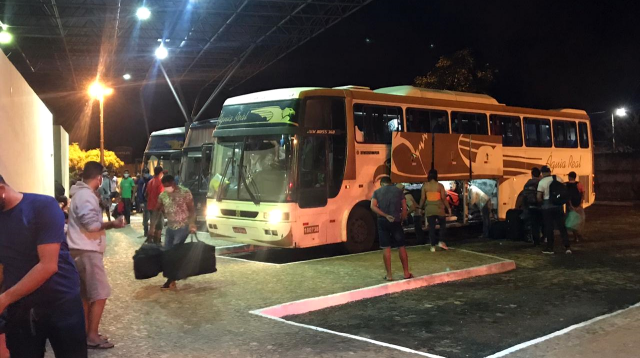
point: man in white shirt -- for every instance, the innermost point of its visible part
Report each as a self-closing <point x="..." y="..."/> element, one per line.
<point x="552" y="215"/>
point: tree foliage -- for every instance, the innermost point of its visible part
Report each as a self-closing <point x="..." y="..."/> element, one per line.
<point x="78" y="158"/>
<point x="458" y="72"/>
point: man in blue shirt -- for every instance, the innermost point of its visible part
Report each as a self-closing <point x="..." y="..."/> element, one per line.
<point x="390" y="205"/>
<point x="41" y="281"/>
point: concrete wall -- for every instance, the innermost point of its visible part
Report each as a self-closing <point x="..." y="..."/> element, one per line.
<point x="61" y="157"/>
<point x="617" y="176"/>
<point x="26" y="134"/>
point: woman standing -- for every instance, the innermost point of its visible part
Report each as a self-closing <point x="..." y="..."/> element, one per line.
<point x="433" y="199"/>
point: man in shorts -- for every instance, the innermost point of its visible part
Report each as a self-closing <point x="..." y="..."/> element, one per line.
<point x="153" y="191"/>
<point x="87" y="240"/>
<point x="42" y="287"/>
<point x="390" y="205"/>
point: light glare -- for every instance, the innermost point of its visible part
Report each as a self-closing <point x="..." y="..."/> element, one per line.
<point x="621" y="112"/>
<point x="143" y="13"/>
<point x="126" y="76"/>
<point x="162" y="53"/>
<point x="97" y="90"/>
<point x="5" y="37"/>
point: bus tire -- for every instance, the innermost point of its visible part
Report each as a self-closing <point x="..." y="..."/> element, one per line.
<point x="361" y="230"/>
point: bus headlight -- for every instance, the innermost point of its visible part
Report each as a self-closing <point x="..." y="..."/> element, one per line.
<point x="276" y="216"/>
<point x="213" y="210"/>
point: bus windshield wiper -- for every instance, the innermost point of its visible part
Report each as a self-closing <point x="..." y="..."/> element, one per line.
<point x="227" y="165"/>
<point x="254" y="197"/>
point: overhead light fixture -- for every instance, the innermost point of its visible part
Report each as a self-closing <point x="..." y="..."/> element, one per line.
<point x="126" y="76"/>
<point x="621" y="112"/>
<point x="5" y="37"/>
<point x="161" y="52"/>
<point x="143" y="13"/>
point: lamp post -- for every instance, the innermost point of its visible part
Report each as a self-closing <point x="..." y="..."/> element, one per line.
<point x="620" y="112"/>
<point x="97" y="91"/>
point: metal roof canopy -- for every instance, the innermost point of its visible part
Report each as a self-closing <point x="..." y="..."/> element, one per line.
<point x="214" y="41"/>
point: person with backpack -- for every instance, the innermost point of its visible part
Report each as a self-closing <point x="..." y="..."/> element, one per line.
<point x="553" y="195"/>
<point x="530" y="206"/>
<point x="576" y="196"/>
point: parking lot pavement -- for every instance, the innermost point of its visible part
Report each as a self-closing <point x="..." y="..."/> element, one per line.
<point x="486" y="315"/>
<point x="209" y="315"/>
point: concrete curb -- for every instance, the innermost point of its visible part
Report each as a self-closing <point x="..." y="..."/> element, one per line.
<point x="318" y="303"/>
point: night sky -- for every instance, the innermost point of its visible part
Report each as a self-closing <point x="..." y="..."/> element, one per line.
<point x="549" y="54"/>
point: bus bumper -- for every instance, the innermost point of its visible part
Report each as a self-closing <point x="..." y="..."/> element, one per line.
<point x="252" y="232"/>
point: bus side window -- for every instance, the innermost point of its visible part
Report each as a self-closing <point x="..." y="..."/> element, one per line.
<point x="584" y="135"/>
<point x="537" y="132"/>
<point x="469" y="123"/>
<point x="565" y="134"/>
<point x="509" y="128"/>
<point x="427" y="121"/>
<point x="377" y="123"/>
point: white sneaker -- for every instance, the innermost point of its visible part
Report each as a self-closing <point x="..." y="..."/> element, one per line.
<point x="443" y="245"/>
<point x="568" y="252"/>
<point x="433" y="249"/>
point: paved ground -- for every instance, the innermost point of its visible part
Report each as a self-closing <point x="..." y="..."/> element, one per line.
<point x="481" y="316"/>
<point x="208" y="316"/>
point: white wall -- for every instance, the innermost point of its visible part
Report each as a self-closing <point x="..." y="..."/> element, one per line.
<point x="61" y="156"/>
<point x="26" y="134"/>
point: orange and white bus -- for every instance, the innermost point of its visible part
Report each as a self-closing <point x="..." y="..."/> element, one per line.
<point x="297" y="167"/>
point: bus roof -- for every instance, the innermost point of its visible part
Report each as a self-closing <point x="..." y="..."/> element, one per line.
<point x="168" y="131"/>
<point x="205" y="123"/>
<point x="409" y="95"/>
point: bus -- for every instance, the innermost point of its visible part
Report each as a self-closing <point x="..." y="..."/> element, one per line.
<point x="194" y="167"/>
<point x="165" y="149"/>
<point x="297" y="167"/>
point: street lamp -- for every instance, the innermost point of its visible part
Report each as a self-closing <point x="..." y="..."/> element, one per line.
<point x="620" y="112"/>
<point x="98" y="91"/>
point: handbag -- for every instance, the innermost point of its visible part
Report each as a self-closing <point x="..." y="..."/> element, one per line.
<point x="573" y="221"/>
<point x="189" y="259"/>
<point x="147" y="261"/>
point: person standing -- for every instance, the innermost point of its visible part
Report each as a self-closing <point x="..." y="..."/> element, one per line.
<point x="480" y="200"/>
<point x="153" y="191"/>
<point x="105" y="194"/>
<point x="433" y="198"/>
<point x="576" y="197"/>
<point x="142" y="200"/>
<point x="41" y="283"/>
<point x="552" y="214"/>
<point x="126" y="192"/>
<point x="390" y="205"/>
<point x="87" y="241"/>
<point x="176" y="202"/>
<point x="531" y="206"/>
<point x="114" y="185"/>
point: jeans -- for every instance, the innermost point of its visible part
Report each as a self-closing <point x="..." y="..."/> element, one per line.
<point x="554" y="219"/>
<point x="30" y="326"/>
<point x="442" y="221"/>
<point x="127" y="209"/>
<point x="175" y="236"/>
<point x="145" y="218"/>
<point x="486" y="221"/>
<point x="534" y="221"/>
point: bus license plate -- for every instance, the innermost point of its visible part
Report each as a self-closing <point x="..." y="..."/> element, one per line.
<point x="239" y="230"/>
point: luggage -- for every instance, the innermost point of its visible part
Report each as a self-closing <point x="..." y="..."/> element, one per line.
<point x="497" y="230"/>
<point x="189" y="259"/>
<point x="147" y="261"/>
<point x="515" y="225"/>
<point x="573" y="221"/>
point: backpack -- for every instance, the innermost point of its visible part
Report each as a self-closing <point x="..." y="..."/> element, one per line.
<point x="530" y="193"/>
<point x="575" y="197"/>
<point x="558" y="194"/>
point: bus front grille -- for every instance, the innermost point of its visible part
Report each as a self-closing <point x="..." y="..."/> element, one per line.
<point x="239" y="213"/>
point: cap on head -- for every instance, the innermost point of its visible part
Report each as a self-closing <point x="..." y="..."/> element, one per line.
<point x="545" y="169"/>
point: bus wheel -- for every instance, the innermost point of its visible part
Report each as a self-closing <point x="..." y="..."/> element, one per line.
<point x="361" y="230"/>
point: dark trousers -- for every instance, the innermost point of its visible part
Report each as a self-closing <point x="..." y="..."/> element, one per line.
<point x="486" y="221"/>
<point x="29" y="328"/>
<point x="442" y="221"/>
<point x="417" y="222"/>
<point x="145" y="218"/>
<point x="127" y="209"/>
<point x="553" y="218"/>
<point x="534" y="221"/>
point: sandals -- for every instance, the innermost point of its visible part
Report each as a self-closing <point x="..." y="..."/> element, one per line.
<point x="101" y="345"/>
<point x="409" y="277"/>
<point x="388" y="279"/>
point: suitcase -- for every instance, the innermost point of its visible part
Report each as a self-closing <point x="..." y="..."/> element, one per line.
<point x="189" y="259"/>
<point x="515" y="225"/>
<point x="147" y="261"/>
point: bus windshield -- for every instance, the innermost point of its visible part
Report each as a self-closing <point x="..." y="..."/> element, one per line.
<point x="253" y="168"/>
<point x="190" y="170"/>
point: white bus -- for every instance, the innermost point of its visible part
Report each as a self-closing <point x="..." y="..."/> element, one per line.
<point x="164" y="148"/>
<point x="297" y="167"/>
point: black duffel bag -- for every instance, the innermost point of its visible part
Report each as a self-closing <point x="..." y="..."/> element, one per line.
<point x="147" y="261"/>
<point x="189" y="259"/>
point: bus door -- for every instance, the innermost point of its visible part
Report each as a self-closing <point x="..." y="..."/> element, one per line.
<point x="312" y="190"/>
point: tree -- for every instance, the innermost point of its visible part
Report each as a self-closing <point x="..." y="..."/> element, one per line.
<point x="458" y="72"/>
<point x="78" y="158"/>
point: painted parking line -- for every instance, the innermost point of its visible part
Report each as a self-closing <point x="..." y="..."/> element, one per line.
<point x="559" y="333"/>
<point x="317" y="303"/>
